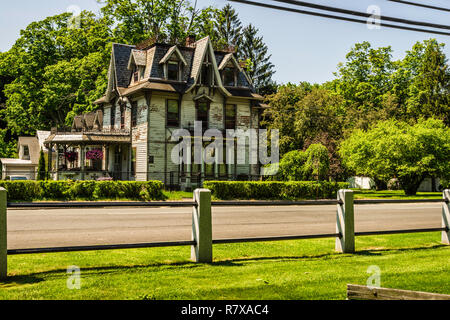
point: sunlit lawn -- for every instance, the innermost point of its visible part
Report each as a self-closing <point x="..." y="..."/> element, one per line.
<point x="394" y="194"/>
<point x="303" y="269"/>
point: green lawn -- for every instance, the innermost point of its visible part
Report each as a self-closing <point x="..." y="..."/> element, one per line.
<point x="394" y="194"/>
<point x="178" y="195"/>
<point x="303" y="269"/>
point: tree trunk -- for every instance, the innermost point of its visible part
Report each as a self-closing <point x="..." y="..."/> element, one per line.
<point x="410" y="184"/>
<point x="380" y="184"/>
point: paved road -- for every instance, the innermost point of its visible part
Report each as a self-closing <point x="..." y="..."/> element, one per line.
<point x="66" y="227"/>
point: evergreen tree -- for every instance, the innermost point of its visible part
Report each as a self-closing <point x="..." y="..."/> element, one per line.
<point x="41" y="167"/>
<point x="255" y="52"/>
<point x="228" y="27"/>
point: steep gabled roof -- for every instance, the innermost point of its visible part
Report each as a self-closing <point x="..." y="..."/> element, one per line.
<point x="154" y="57"/>
<point x="203" y="48"/>
<point x="137" y="57"/>
<point x="170" y="52"/>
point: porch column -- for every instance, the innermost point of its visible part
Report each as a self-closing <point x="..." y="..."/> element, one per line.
<point x="57" y="162"/>
<point x="188" y="165"/>
<point x="216" y="164"/>
<point x="82" y="162"/>
<point x="202" y="169"/>
<point x="106" y="157"/>
<point x="49" y="162"/>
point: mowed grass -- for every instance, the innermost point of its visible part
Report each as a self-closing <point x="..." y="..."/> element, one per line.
<point x="394" y="194"/>
<point x="303" y="269"/>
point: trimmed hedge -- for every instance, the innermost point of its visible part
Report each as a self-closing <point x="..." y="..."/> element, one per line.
<point x="262" y="190"/>
<point x="89" y="190"/>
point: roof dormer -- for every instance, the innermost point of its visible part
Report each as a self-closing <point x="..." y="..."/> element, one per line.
<point x="137" y="64"/>
<point x="173" y="63"/>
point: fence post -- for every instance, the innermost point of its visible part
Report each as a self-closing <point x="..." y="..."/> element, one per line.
<point x="345" y="222"/>
<point x="446" y="216"/>
<point x="3" y="235"/>
<point x="202" y="226"/>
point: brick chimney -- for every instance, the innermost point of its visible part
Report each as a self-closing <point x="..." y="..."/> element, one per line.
<point x="190" y="41"/>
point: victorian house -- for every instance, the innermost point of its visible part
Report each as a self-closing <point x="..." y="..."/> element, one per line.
<point x="154" y="89"/>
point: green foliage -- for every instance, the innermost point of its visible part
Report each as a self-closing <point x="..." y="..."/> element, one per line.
<point x="54" y="68"/>
<point x="83" y="190"/>
<point x="312" y="164"/>
<point x="41" y="174"/>
<point x="228" y="27"/>
<point x="247" y="190"/>
<point x="8" y="148"/>
<point x="317" y="164"/>
<point x="292" y="166"/>
<point x="393" y="149"/>
<point x="260" y="70"/>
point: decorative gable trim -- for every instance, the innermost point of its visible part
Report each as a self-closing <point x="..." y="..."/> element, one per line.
<point x="203" y="47"/>
<point x="226" y="59"/>
<point x="203" y="96"/>
<point x="169" y="54"/>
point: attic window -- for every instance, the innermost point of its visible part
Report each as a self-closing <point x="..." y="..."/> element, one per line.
<point x="26" y="152"/>
<point x="138" y="74"/>
<point x="206" y="75"/>
<point x="229" y="77"/>
<point x="173" y="69"/>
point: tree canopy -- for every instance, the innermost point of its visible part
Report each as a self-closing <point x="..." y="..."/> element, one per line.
<point x="393" y="149"/>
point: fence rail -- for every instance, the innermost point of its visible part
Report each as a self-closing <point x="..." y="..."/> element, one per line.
<point x="102" y="204"/>
<point x="202" y="241"/>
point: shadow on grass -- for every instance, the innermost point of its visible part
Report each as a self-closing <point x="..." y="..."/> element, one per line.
<point x="19" y="280"/>
<point x="233" y="262"/>
<point x="380" y="251"/>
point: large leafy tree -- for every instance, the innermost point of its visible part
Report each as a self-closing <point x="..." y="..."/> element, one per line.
<point x="308" y="114"/>
<point x="160" y="20"/>
<point x="45" y="51"/>
<point x="393" y="149"/>
<point x="429" y="87"/>
<point x="365" y="77"/>
<point x="282" y="114"/>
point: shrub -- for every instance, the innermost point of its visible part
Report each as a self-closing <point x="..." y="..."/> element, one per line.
<point x="55" y="190"/>
<point x="228" y="190"/>
<point x="93" y="190"/>
<point x="22" y="190"/>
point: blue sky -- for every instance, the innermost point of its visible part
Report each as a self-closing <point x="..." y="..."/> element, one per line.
<point x="303" y="48"/>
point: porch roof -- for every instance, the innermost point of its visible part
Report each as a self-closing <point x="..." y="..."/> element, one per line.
<point x="87" y="138"/>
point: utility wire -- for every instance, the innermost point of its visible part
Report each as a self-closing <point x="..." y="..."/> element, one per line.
<point x="324" y="15"/>
<point x="420" y="5"/>
<point x="362" y="14"/>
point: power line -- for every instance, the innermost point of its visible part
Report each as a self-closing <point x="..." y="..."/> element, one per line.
<point x="329" y="16"/>
<point x="362" y="14"/>
<point x="420" y="5"/>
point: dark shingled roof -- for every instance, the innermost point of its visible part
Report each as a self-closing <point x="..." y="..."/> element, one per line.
<point x="122" y="54"/>
<point x="154" y="70"/>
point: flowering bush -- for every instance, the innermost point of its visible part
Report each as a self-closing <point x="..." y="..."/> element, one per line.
<point x="71" y="156"/>
<point x="94" y="154"/>
<point x="105" y="179"/>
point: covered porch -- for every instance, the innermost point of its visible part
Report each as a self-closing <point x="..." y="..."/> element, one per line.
<point x="90" y="156"/>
